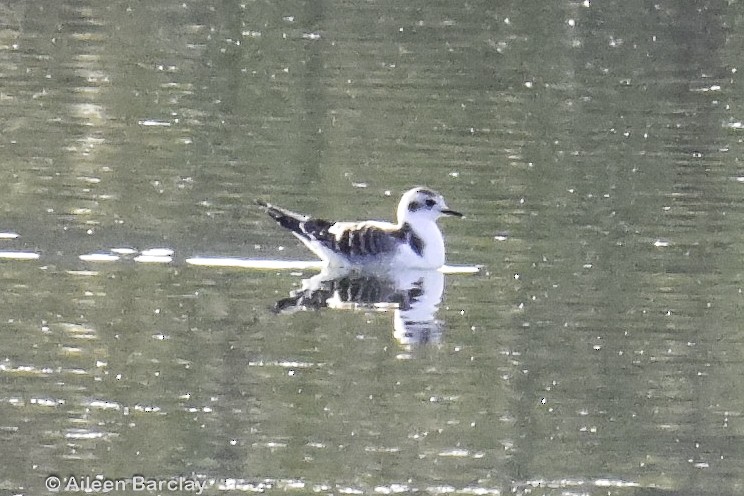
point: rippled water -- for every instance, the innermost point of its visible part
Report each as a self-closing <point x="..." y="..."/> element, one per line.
<point x="594" y="147"/>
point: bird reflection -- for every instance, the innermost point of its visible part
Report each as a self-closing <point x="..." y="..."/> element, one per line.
<point x="412" y="295"/>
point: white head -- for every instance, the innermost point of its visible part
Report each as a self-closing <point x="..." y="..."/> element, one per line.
<point x="421" y="203"/>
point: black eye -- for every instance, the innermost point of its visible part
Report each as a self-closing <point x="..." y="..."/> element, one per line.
<point x="430" y="202"/>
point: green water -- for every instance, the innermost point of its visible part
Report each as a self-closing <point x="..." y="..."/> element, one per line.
<point x="595" y="148"/>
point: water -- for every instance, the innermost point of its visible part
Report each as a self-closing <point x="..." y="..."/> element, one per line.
<point x="594" y="147"/>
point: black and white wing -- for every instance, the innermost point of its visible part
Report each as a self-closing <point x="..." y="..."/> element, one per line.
<point x="365" y="239"/>
<point x="302" y="226"/>
<point x="351" y="240"/>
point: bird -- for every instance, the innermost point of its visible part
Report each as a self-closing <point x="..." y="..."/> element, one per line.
<point x="415" y="241"/>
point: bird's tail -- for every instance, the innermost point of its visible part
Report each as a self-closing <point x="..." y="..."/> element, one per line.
<point x="285" y="218"/>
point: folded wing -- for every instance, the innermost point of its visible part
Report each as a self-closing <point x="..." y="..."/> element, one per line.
<point x="364" y="238"/>
<point x="348" y="239"/>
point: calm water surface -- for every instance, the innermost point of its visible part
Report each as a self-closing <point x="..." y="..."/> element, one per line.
<point x="593" y="145"/>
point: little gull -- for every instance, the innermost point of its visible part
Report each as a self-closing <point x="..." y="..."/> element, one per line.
<point x="414" y="242"/>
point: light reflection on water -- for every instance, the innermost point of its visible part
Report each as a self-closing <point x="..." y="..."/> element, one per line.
<point x="413" y="297"/>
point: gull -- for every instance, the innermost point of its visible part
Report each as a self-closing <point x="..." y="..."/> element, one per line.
<point x="414" y="242"/>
